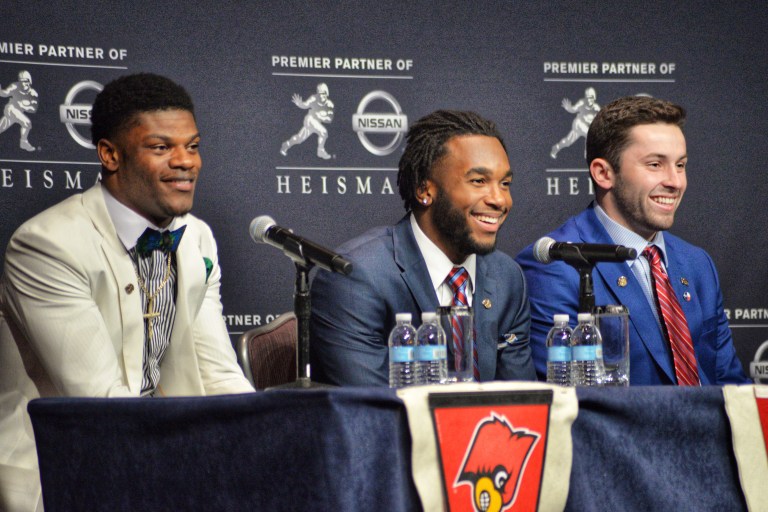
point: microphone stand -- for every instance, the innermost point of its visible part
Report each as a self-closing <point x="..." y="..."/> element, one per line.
<point x="586" y="286"/>
<point x="302" y="309"/>
<point x="586" y="290"/>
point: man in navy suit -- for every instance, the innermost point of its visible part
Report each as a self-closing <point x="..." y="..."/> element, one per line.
<point x="454" y="178"/>
<point x="637" y="162"/>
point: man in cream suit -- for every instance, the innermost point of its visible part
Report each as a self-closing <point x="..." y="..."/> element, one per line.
<point x="91" y="308"/>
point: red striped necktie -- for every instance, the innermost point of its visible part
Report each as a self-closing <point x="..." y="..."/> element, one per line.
<point x="676" y="326"/>
<point x="458" y="279"/>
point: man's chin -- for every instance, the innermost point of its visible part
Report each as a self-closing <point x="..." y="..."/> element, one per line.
<point x="180" y="209"/>
<point x="660" y="225"/>
<point x="482" y="249"/>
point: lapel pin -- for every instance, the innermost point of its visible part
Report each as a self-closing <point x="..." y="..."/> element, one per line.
<point x="684" y="281"/>
<point x="687" y="297"/>
<point x="622" y="281"/>
<point x="487" y="303"/>
<point x="129" y="289"/>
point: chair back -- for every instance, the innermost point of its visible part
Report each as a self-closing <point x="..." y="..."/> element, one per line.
<point x="267" y="353"/>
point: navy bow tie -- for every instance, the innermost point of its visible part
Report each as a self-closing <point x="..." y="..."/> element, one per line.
<point x="166" y="241"/>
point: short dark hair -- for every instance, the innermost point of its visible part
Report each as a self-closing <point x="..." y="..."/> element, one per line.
<point x="425" y="146"/>
<point x="609" y="132"/>
<point x="122" y="99"/>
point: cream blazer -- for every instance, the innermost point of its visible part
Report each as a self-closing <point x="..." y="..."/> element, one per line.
<point x="72" y="321"/>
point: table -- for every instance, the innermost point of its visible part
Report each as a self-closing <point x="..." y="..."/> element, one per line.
<point x="638" y="448"/>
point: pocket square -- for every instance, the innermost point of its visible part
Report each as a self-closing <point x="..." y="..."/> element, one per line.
<point x="208" y="267"/>
<point x="509" y="339"/>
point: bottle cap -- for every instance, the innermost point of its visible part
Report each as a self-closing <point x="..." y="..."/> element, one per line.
<point x="561" y="318"/>
<point x="428" y="316"/>
<point x="585" y="317"/>
<point x="403" y="317"/>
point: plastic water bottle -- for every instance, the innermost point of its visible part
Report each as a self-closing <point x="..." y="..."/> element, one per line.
<point x="431" y="352"/>
<point x="587" y="353"/>
<point x="402" y="357"/>
<point x="559" y="352"/>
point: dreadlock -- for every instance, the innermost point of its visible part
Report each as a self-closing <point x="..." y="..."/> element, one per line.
<point x="425" y="146"/>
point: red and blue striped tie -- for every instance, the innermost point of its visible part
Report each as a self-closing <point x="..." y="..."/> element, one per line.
<point x="458" y="279"/>
<point x="675" y="324"/>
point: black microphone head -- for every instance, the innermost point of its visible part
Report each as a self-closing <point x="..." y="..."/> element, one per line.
<point x="541" y="250"/>
<point x="627" y="253"/>
<point x="259" y="227"/>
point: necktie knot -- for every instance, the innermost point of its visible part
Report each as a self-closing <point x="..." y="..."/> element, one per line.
<point x="166" y="241"/>
<point x="457" y="279"/>
<point x="652" y="254"/>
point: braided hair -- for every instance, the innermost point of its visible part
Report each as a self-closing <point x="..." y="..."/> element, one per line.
<point x="425" y="147"/>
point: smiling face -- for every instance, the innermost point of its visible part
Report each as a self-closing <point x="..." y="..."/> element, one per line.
<point x="647" y="189"/>
<point x="152" y="165"/>
<point x="469" y="188"/>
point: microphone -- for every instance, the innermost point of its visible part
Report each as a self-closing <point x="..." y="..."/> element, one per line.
<point x="546" y="250"/>
<point x="263" y="229"/>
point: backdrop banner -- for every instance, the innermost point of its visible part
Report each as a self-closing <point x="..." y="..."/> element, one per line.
<point x="303" y="107"/>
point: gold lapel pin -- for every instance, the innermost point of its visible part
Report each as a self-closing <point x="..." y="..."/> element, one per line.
<point x="487" y="303"/>
<point x="129" y="289"/>
<point x="622" y="281"/>
<point x="684" y="281"/>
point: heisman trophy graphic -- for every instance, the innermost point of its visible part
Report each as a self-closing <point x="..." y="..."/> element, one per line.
<point x="319" y="111"/>
<point x="23" y="101"/>
<point x="585" y="109"/>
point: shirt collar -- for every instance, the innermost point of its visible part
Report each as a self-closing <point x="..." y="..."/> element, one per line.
<point x="623" y="236"/>
<point x="438" y="264"/>
<point x="129" y="225"/>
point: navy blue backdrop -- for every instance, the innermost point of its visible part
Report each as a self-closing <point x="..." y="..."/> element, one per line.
<point x="385" y="64"/>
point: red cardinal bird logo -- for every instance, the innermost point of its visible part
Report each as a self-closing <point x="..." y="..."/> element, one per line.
<point x="495" y="460"/>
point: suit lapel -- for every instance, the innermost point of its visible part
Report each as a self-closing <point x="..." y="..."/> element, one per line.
<point x="681" y="278"/>
<point x="485" y="289"/>
<point x="641" y="316"/>
<point x="413" y="268"/>
<point x="129" y="296"/>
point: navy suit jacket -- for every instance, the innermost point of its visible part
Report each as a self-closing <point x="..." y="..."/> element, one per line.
<point x="353" y="315"/>
<point x="554" y="288"/>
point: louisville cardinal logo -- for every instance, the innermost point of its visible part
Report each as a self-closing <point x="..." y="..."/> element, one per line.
<point x="495" y="460"/>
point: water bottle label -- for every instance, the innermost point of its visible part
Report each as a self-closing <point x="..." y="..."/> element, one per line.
<point x="431" y="352"/>
<point x="558" y="354"/>
<point x="401" y="354"/>
<point x="587" y="352"/>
